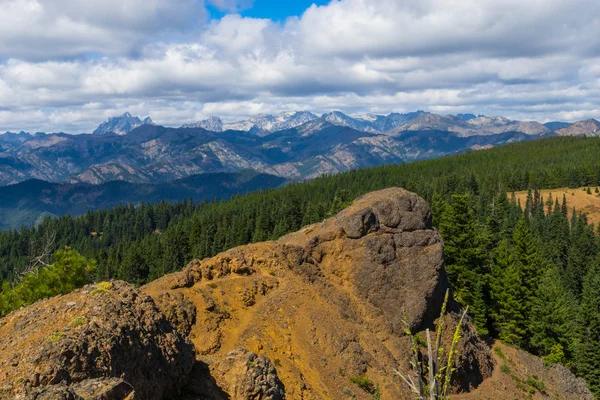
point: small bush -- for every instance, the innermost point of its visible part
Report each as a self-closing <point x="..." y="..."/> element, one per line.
<point x="420" y="341"/>
<point x="504" y="368"/>
<point x="348" y="392"/>
<point x="102" y="287"/>
<point x="78" y="321"/>
<point x="377" y="393"/>
<point x="55" y="337"/>
<point x="556" y="356"/>
<point x="536" y="384"/>
<point x="364" y="383"/>
<point x="499" y="352"/>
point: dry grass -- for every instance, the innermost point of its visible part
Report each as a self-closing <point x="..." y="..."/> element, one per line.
<point x="578" y="198"/>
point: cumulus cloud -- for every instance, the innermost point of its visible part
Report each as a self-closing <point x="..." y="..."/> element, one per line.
<point x="73" y="65"/>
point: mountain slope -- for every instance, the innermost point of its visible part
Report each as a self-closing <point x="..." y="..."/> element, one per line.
<point x="477" y="126"/>
<point x="25" y="203"/>
<point x="589" y="127"/>
<point x="554" y="125"/>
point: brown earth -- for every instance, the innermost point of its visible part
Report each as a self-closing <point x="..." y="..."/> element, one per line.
<point x="578" y="198"/>
<point x="305" y="317"/>
<point x="520" y="375"/>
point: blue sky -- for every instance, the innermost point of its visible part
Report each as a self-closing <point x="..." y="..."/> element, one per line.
<point x="180" y="61"/>
<point x="272" y="9"/>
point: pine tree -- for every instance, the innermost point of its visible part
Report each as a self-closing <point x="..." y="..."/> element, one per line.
<point x="463" y="252"/>
<point x="517" y="273"/>
<point x="551" y="318"/>
<point x="508" y="313"/>
<point x="587" y="345"/>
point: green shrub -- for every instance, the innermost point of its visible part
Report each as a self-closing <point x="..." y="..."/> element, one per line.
<point x="68" y="271"/>
<point x="78" y="321"/>
<point x="364" y="383"/>
<point x="55" y="337"/>
<point x="536" y="384"/>
<point x="102" y="287"/>
<point x="500" y="353"/>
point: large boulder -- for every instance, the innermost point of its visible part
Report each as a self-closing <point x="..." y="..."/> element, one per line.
<point x="328" y="305"/>
<point x="110" y="332"/>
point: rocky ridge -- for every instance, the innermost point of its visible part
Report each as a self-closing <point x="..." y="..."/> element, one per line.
<point x="304" y="317"/>
<point x="590" y="127"/>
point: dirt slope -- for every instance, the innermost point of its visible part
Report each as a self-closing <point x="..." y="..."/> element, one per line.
<point x="519" y="375"/>
<point x="327" y="304"/>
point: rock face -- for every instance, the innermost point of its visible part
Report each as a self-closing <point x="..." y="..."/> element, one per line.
<point x="249" y="376"/>
<point x="329" y="303"/>
<point x="110" y="332"/>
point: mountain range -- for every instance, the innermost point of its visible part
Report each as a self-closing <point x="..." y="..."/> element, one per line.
<point x="293" y="145"/>
<point x="155" y="154"/>
<point x="152" y="161"/>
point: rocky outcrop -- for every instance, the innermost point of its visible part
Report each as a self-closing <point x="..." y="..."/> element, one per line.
<point x="328" y="304"/>
<point x="249" y="376"/>
<point x="111" y="330"/>
<point x="91" y="389"/>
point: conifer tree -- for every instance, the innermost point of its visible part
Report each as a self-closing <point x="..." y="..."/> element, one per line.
<point x="508" y="313"/>
<point x="587" y="345"/>
<point x="551" y="318"/>
<point x="515" y="291"/>
<point x="463" y="252"/>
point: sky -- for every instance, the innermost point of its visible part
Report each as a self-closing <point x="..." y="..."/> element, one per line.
<point x="67" y="66"/>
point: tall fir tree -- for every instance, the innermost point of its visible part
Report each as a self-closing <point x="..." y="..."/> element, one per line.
<point x="551" y="319"/>
<point x="587" y="345"/>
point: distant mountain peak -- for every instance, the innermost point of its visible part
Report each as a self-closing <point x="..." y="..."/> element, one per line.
<point x="122" y="125"/>
<point x="213" y="124"/>
<point x="468" y="116"/>
<point x="259" y="124"/>
<point x="590" y="127"/>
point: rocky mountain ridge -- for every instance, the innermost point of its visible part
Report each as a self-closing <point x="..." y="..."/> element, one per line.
<point x="394" y="123"/>
<point x="301" y="146"/>
<point x="589" y="127"/>
<point x="155" y="154"/>
<point x="121" y="125"/>
<point x="307" y="316"/>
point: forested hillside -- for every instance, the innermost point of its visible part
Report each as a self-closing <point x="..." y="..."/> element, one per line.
<point x="531" y="278"/>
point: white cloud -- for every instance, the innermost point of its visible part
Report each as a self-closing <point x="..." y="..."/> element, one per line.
<point x="531" y="60"/>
